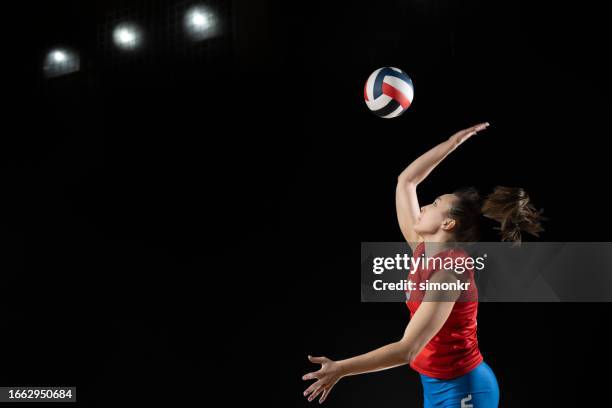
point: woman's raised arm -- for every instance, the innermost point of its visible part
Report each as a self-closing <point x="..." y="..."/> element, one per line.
<point x="406" y="200"/>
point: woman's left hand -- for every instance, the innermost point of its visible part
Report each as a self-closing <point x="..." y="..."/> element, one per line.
<point x="463" y="135"/>
<point x="327" y="377"/>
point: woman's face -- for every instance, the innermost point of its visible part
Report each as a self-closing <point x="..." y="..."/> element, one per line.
<point x="435" y="216"/>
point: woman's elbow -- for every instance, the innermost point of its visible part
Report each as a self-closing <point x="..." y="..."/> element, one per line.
<point x="406" y="180"/>
<point x="409" y="357"/>
<point x="408" y="353"/>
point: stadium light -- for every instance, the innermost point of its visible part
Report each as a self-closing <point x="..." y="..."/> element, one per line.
<point x="201" y="23"/>
<point x="127" y="36"/>
<point x="61" y="61"/>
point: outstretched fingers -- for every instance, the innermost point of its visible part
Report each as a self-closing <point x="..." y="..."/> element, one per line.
<point x="315" y="385"/>
<point x="465" y="134"/>
<point x="479" y="127"/>
<point x="325" y="393"/>
<point x="311" y="376"/>
<point x="316" y="392"/>
<point x="317" y="360"/>
<point x="322" y="385"/>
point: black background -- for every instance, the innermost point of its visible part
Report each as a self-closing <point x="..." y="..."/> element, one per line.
<point x="182" y="224"/>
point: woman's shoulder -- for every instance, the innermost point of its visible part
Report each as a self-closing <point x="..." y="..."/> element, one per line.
<point x="419" y="249"/>
<point x="459" y="251"/>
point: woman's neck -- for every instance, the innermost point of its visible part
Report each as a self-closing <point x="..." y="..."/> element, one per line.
<point x="433" y="248"/>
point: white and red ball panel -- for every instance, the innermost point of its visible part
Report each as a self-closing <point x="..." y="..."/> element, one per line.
<point x="388" y="92"/>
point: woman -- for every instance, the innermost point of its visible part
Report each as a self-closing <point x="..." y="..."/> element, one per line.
<point x="440" y="340"/>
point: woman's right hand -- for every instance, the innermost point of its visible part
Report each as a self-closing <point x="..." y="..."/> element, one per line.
<point x="329" y="374"/>
<point x="463" y="135"/>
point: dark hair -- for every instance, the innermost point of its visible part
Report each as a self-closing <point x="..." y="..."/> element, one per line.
<point x="510" y="206"/>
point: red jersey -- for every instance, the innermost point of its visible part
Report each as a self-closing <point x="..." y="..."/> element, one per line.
<point x="453" y="351"/>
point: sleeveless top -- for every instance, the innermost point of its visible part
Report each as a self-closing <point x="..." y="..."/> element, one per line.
<point x="453" y="351"/>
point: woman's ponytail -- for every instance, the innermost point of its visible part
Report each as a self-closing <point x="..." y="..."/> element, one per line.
<point x="511" y="207"/>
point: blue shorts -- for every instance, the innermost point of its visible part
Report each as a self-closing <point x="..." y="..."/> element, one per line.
<point x="476" y="389"/>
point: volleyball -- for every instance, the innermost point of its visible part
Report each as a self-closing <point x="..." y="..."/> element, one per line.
<point x="388" y="92"/>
